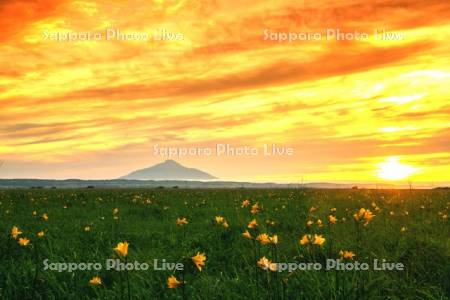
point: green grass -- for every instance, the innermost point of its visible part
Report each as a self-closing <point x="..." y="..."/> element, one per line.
<point x="147" y="222"/>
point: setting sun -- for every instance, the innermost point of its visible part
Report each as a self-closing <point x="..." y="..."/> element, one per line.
<point x="392" y="169"/>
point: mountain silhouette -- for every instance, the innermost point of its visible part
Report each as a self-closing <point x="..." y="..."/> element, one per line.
<point x="168" y="170"/>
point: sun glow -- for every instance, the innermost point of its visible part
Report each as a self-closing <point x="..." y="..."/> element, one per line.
<point x="392" y="169"/>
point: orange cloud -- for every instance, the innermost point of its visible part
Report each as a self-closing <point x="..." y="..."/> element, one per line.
<point x="17" y="15"/>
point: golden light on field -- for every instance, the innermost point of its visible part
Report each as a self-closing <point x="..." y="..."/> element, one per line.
<point x="392" y="169"/>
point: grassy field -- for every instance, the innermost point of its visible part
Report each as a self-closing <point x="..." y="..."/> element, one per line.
<point x="81" y="226"/>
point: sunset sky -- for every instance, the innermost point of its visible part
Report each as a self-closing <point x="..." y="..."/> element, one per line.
<point x="368" y="110"/>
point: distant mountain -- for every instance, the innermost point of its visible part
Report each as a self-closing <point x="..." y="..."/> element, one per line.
<point x="168" y="170"/>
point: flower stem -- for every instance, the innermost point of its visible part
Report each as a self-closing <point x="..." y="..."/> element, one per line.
<point x="128" y="280"/>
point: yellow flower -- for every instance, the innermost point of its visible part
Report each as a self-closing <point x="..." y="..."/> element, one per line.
<point x="247" y="234"/>
<point x="364" y="215"/>
<point x="274" y="239"/>
<point x="15" y="232"/>
<point x="332" y="219"/>
<point x="318" y="240"/>
<point x="445" y="217"/>
<point x="255" y="208"/>
<point x="304" y="240"/>
<point x="172" y="282"/>
<point x="403" y="229"/>
<point x="263" y="239"/>
<point x="41" y="234"/>
<point x="319" y="223"/>
<point x="45" y="217"/>
<point x="266" y="264"/>
<point x="245" y="203"/>
<point x="24" y="241"/>
<point x="182" y="221"/>
<point x="95" y="280"/>
<point x="359" y="215"/>
<point x="263" y="262"/>
<point x="252" y="224"/>
<point x="199" y="260"/>
<point x="87" y="228"/>
<point x="221" y="220"/>
<point x="368" y="216"/>
<point x="122" y="249"/>
<point x="312" y="209"/>
<point x="34" y="213"/>
<point x="309" y="223"/>
<point x="347" y="254"/>
<point x="115" y="211"/>
<point x="333" y="210"/>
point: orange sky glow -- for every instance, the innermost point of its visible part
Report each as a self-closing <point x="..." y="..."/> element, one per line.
<point x="361" y="110"/>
